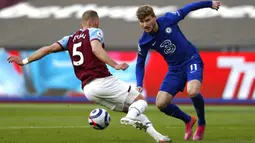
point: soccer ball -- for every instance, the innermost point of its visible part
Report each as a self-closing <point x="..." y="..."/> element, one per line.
<point x="99" y="119"/>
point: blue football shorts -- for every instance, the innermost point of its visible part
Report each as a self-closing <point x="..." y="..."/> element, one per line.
<point x="175" y="80"/>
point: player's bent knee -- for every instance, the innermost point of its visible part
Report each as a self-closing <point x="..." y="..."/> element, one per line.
<point x="163" y="99"/>
<point x="161" y="105"/>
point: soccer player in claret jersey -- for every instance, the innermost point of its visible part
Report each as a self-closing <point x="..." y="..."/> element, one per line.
<point x="89" y="59"/>
<point x="184" y="62"/>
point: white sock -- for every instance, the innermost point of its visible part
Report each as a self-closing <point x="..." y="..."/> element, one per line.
<point x="136" y="108"/>
<point x="150" y="130"/>
<point x="132" y="113"/>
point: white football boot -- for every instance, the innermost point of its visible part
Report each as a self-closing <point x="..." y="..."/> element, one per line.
<point x="133" y="122"/>
<point x="139" y="125"/>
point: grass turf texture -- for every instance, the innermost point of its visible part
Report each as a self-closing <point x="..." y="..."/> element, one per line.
<point x="67" y="123"/>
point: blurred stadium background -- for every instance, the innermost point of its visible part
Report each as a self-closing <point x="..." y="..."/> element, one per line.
<point x="225" y="39"/>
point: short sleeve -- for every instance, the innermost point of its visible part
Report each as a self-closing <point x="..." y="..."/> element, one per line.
<point x="96" y="34"/>
<point x="64" y="42"/>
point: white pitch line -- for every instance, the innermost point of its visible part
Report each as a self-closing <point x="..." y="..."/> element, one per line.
<point x="53" y="127"/>
<point x="47" y="127"/>
<point x="42" y="127"/>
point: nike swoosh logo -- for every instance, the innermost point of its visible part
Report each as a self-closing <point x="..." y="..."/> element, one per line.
<point x="153" y="43"/>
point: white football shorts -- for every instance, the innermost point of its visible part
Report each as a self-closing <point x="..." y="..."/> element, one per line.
<point x="110" y="92"/>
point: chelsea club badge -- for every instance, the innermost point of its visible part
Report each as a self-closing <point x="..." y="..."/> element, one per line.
<point x="168" y="30"/>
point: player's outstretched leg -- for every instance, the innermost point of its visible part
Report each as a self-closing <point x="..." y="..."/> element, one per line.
<point x="137" y="119"/>
<point x="148" y="127"/>
<point x="199" y="105"/>
<point x="162" y="102"/>
<point x="176" y="112"/>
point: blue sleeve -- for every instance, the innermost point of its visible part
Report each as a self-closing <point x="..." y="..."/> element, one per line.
<point x="175" y="17"/>
<point x="142" y="54"/>
<point x="96" y="34"/>
<point x="64" y="42"/>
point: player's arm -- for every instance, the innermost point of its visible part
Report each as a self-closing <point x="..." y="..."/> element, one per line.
<point x="140" y="64"/>
<point x="180" y="14"/>
<point x="38" y="54"/>
<point x="96" y="41"/>
<point x="101" y="54"/>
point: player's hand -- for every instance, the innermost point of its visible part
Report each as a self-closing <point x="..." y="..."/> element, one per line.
<point x="216" y="5"/>
<point x="139" y="89"/>
<point x="122" y="66"/>
<point x="16" y="60"/>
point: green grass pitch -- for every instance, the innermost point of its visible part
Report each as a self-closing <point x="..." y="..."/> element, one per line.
<point x="67" y="123"/>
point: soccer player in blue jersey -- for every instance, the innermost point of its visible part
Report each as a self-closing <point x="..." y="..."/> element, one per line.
<point x="184" y="62"/>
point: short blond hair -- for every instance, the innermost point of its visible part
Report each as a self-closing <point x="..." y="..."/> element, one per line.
<point x="144" y="11"/>
<point x="89" y="14"/>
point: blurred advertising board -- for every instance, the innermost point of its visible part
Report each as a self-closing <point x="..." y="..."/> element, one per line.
<point x="228" y="77"/>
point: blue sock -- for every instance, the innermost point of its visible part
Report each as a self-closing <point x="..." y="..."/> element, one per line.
<point x="175" y="111"/>
<point x="199" y="105"/>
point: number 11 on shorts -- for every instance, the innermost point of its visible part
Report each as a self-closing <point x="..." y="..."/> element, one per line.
<point x="193" y="67"/>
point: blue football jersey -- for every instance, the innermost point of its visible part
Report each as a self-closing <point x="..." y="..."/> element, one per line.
<point x="169" y="40"/>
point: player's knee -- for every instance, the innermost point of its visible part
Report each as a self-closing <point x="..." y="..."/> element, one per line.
<point x="193" y="92"/>
<point x="194" y="88"/>
<point x="161" y="105"/>
<point x="163" y="99"/>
